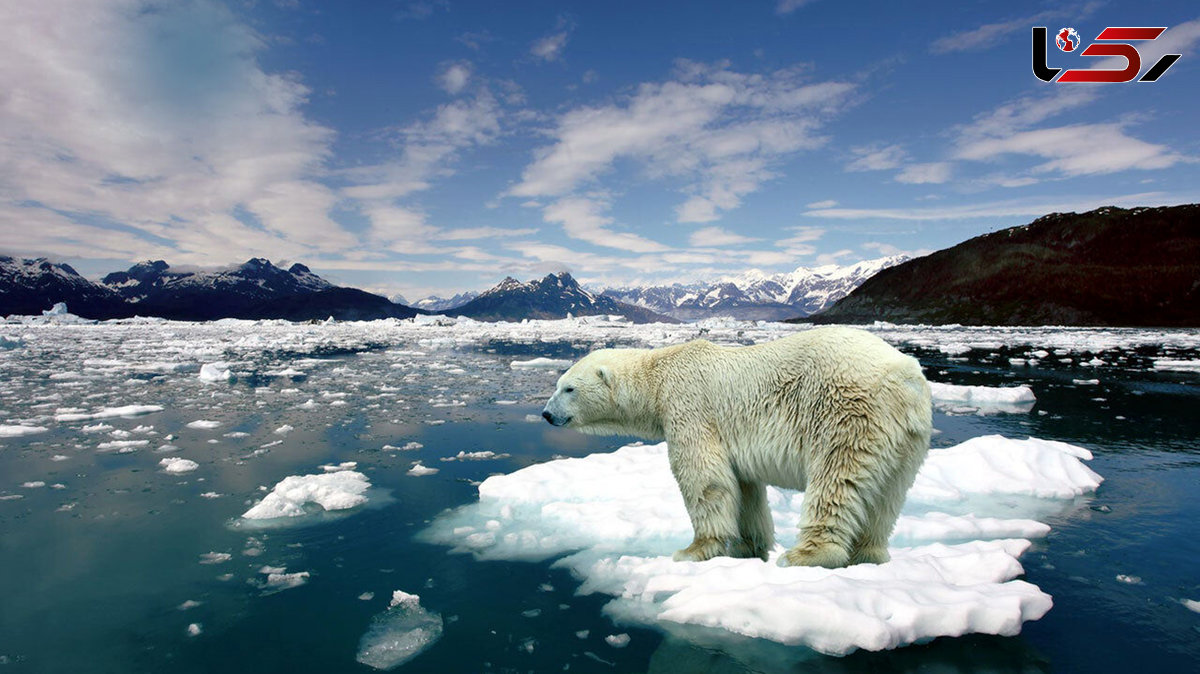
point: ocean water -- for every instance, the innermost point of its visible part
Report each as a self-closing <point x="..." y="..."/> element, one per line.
<point x="110" y="563"/>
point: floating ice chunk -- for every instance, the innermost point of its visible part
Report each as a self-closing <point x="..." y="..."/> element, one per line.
<point x="176" y="465"/>
<point x="18" y="431"/>
<point x="110" y="413"/>
<point x="1129" y="580"/>
<point x="540" y="364"/>
<point x="345" y="465"/>
<point x="189" y="604"/>
<point x="483" y="455"/>
<point x="993" y="464"/>
<point x="10" y="342"/>
<point x="617" y="640"/>
<point x="285" y="429"/>
<point x="59" y="309"/>
<point x="418" y="470"/>
<point x="35" y="484"/>
<point x="194" y="630"/>
<point x="215" y="557"/>
<point x="204" y="424"/>
<point x="1191" y="604"/>
<point x="278" y="580"/>
<point x="340" y="490"/>
<point x="122" y="446"/>
<point x="982" y="399"/>
<point x="1177" y="365"/>
<point x="215" y="372"/>
<point x="400" y="633"/>
<point x="621" y="516"/>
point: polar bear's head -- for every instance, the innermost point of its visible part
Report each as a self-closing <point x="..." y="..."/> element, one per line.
<point x="585" y="396"/>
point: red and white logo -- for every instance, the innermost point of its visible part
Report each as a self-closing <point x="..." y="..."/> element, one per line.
<point x="1067" y="39"/>
<point x="1113" y="42"/>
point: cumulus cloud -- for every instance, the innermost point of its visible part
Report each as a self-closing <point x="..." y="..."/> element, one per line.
<point x="550" y="47"/>
<point x="717" y="130"/>
<point x="876" y="157"/>
<point x="453" y="77"/>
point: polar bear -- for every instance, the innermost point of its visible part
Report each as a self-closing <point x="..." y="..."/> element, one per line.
<point x="835" y="412"/>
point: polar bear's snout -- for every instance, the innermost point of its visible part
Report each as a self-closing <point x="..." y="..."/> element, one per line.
<point x="553" y="412"/>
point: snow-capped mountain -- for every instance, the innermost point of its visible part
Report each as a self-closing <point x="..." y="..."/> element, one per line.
<point x="157" y="289"/>
<point x="30" y="286"/>
<point x="754" y="294"/>
<point x="435" y="303"/>
<point x="554" y="296"/>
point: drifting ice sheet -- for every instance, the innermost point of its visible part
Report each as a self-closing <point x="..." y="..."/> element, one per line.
<point x="540" y="364"/>
<point x="621" y="516"/>
<point x="340" y="490"/>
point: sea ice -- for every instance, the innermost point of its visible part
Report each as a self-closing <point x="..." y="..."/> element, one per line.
<point x="18" y="430"/>
<point x="110" y="413"/>
<point x="204" y="424"/>
<point x="618" y="517"/>
<point x="339" y="490"/>
<point x="215" y="372"/>
<point x="176" y="465"/>
<point x="1177" y="365"/>
<point x="400" y="633"/>
<point x="419" y="470"/>
<point x="540" y="364"/>
<point x="982" y="399"/>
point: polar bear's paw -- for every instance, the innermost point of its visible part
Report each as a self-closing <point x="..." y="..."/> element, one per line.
<point x="828" y="555"/>
<point x="701" y="550"/>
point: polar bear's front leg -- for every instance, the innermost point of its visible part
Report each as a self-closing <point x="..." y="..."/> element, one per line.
<point x="710" y="493"/>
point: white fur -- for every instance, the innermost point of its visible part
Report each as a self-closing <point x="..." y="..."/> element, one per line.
<point x="835" y="412"/>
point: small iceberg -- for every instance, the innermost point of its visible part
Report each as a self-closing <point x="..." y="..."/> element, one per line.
<point x="400" y="633"/>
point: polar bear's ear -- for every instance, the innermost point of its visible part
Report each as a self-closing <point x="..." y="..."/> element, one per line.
<point x="605" y="375"/>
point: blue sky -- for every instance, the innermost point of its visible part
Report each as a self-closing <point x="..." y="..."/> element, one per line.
<point x="431" y="147"/>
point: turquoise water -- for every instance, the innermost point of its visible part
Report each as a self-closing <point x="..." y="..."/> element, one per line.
<point x="94" y="574"/>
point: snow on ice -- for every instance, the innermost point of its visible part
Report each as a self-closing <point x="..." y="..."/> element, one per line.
<point x="340" y="490"/>
<point x="618" y="517"/>
<point x="110" y="413"/>
<point x="400" y="633"/>
<point x="18" y="431"/>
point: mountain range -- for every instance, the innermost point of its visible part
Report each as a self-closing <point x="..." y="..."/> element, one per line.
<point x="1107" y="267"/>
<point x="755" y="295"/>
<point x="555" y="296"/>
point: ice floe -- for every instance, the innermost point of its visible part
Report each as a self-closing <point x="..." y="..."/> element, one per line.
<point x="18" y="430"/>
<point x="176" y="465"/>
<point x="982" y="399"/>
<point x="614" y="520"/>
<point x="340" y="490"/>
<point x="540" y="364"/>
<point x="215" y="372"/>
<point x="204" y="424"/>
<point x="110" y="413"/>
<point x="400" y="633"/>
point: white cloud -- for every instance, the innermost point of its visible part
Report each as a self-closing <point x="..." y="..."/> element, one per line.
<point x="1035" y="207"/>
<point x="454" y="77"/>
<point x="927" y="173"/>
<point x="550" y="47"/>
<point x="789" y="6"/>
<point x="889" y="250"/>
<point x="876" y="158"/>
<point x="828" y="203"/>
<point x="710" y="237"/>
<point x="173" y="132"/>
<point x="583" y="218"/>
<point x="482" y="233"/>
<point x="1081" y="149"/>
<point x="834" y="257"/>
<point x="717" y="130"/>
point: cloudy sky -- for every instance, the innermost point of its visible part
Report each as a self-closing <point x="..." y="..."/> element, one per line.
<point x="439" y="145"/>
